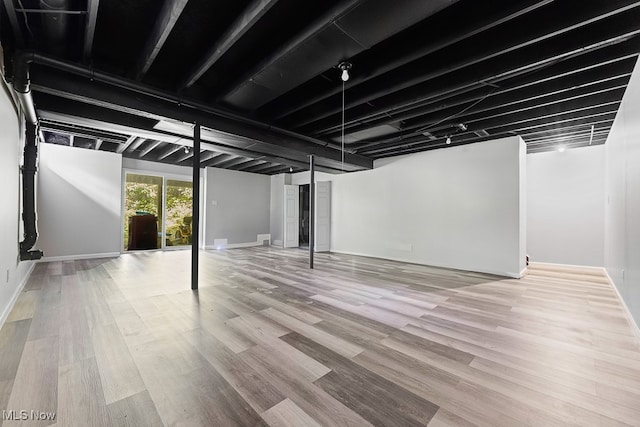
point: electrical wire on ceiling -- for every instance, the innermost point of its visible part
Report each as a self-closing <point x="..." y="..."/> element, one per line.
<point x="26" y="21"/>
<point x="453" y="116"/>
<point x="344" y="68"/>
<point x="342" y="130"/>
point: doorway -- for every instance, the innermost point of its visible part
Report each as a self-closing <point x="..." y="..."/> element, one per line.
<point x="157" y="212"/>
<point x="304" y="216"/>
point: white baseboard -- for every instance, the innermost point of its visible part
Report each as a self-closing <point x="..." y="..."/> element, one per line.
<point x="16" y="294"/>
<point x="634" y="326"/>
<point x="408" y="261"/>
<point x="224" y="243"/>
<point x="585" y="267"/>
<point x="77" y="257"/>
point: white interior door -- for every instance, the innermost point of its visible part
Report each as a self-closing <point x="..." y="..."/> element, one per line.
<point x="323" y="217"/>
<point x="291" y="208"/>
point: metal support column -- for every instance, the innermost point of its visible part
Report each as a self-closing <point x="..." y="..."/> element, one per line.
<point x="312" y="217"/>
<point x="195" y="215"/>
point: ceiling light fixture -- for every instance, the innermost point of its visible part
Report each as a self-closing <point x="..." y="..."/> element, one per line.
<point x="561" y="149"/>
<point x="448" y="141"/>
<point x="344" y="67"/>
<point x="186" y="150"/>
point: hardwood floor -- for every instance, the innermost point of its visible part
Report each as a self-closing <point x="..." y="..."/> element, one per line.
<point x="357" y="341"/>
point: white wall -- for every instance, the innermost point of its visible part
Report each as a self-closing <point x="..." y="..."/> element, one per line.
<point x="237" y="207"/>
<point x="565" y="196"/>
<point x="79" y="202"/>
<point x="13" y="273"/>
<point x="276" y="208"/>
<point x="461" y="207"/>
<point x="158" y="168"/>
<point x="302" y="178"/>
<point x="622" y="209"/>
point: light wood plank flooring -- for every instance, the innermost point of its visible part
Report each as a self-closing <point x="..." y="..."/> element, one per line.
<point x="357" y="341"/>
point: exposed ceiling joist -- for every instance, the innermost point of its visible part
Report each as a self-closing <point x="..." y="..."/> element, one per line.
<point x="520" y="89"/>
<point x="87" y="115"/>
<point x="247" y="164"/>
<point x="90" y="28"/>
<point x="240" y="26"/>
<point x="150" y="148"/>
<point x="418" y="83"/>
<point x="127" y="144"/>
<point x="169" y="151"/>
<point x="321" y="22"/>
<point x="232" y="162"/>
<point x="220" y="159"/>
<point x="187" y="155"/>
<point x="134" y="145"/>
<point x="372" y="66"/>
<point x="209" y="155"/>
<point x="269" y="139"/>
<point x="550" y="71"/>
<point x="169" y="14"/>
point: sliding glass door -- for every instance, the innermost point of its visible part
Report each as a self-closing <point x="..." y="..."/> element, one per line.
<point x="157" y="212"/>
<point x="178" y="212"/>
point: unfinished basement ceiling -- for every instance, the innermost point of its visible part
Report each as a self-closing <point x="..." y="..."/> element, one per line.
<point x="261" y="75"/>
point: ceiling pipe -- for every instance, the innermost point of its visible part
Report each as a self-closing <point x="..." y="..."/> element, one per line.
<point x="23" y="90"/>
<point x="28" y="195"/>
<point x="21" y="87"/>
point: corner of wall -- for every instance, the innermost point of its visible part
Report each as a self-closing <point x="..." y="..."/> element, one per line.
<point x="24" y="271"/>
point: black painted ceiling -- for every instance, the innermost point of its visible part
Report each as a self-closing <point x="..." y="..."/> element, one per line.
<point x="262" y="76"/>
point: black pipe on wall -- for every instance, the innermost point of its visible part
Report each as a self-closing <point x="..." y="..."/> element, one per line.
<point x="29" y="195"/>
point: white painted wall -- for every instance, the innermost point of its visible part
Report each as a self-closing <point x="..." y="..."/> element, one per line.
<point x="158" y="168"/>
<point x="79" y="202"/>
<point x="565" y="196"/>
<point x="276" y="208"/>
<point x="303" y="178"/>
<point x="622" y="209"/>
<point x="13" y="273"/>
<point x="462" y="207"/>
<point x="237" y="207"/>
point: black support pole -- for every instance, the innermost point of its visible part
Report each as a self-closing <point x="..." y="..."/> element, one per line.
<point x="312" y="217"/>
<point x="195" y="215"/>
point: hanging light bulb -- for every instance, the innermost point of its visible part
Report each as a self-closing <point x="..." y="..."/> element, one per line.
<point x="186" y="150"/>
<point x="448" y="140"/>
<point x="345" y="67"/>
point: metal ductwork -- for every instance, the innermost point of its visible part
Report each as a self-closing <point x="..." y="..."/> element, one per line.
<point x="29" y="194"/>
<point x="22" y="88"/>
